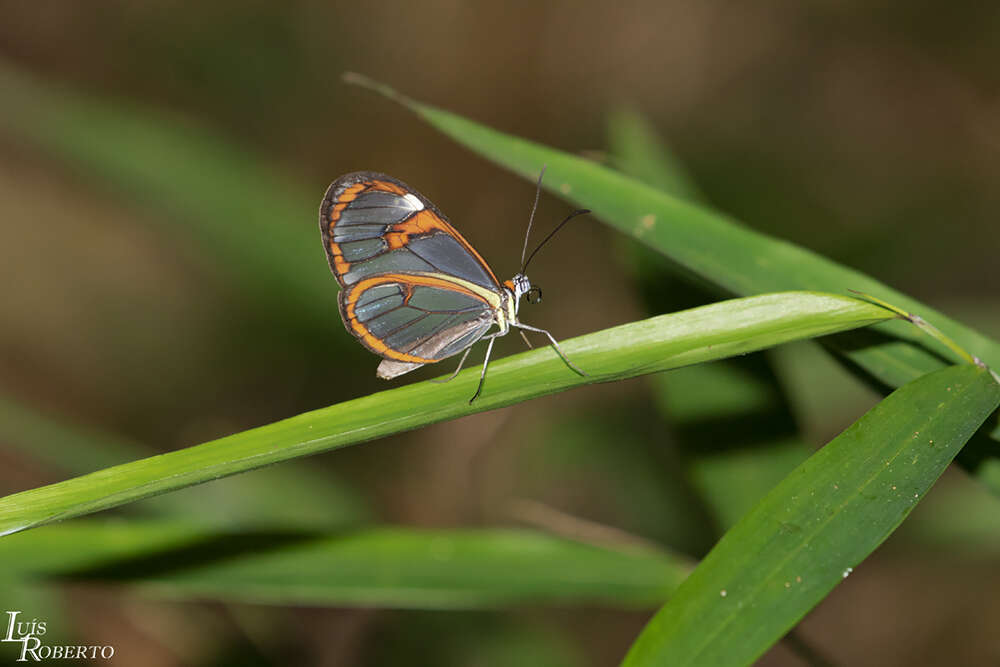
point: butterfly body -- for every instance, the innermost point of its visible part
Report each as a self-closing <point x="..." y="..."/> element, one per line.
<point x="413" y="290"/>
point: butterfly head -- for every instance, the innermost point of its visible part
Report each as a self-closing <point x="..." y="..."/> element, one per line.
<point x="520" y="286"/>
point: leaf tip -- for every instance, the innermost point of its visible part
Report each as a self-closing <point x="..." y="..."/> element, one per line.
<point x="356" y="79"/>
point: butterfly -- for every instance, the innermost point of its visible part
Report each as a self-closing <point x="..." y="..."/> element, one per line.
<point x="413" y="290"/>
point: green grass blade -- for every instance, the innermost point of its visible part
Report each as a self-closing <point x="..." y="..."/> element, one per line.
<point x="668" y="341"/>
<point x="385" y="566"/>
<point x="804" y="537"/>
<point x="706" y="243"/>
<point x="263" y="499"/>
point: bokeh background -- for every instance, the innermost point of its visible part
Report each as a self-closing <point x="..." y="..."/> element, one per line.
<point x="161" y="165"/>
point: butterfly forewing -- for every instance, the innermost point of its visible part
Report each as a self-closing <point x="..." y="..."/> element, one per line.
<point x="373" y="224"/>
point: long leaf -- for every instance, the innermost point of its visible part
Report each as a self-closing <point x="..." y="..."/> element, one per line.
<point x="668" y="341"/>
<point x="711" y="245"/>
<point x="806" y="535"/>
<point x="319" y="498"/>
<point x="386" y="566"/>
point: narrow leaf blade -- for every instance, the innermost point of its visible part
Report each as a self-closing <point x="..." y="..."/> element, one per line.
<point x="805" y="536"/>
<point x="710" y="245"/>
<point x="383" y="566"/>
<point x="668" y="341"/>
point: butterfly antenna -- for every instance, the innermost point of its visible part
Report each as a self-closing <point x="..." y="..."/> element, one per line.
<point x="572" y="215"/>
<point x="531" y="218"/>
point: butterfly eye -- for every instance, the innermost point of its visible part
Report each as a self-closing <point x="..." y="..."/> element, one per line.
<point x="534" y="295"/>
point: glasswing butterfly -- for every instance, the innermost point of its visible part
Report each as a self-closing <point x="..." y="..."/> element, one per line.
<point x="413" y="290"/>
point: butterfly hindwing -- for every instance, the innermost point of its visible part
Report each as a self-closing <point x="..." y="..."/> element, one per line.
<point x="414" y="319"/>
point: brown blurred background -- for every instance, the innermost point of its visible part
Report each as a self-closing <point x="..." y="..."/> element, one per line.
<point x="867" y="131"/>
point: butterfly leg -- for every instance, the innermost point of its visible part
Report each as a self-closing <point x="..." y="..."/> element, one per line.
<point x="554" y="344"/>
<point x="486" y="362"/>
<point x="455" y="374"/>
<point x="526" y="341"/>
